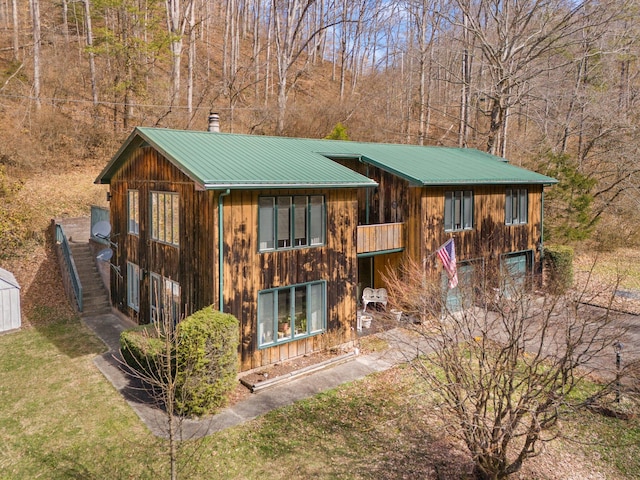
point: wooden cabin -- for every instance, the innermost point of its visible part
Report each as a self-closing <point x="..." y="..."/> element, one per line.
<point x="285" y="233"/>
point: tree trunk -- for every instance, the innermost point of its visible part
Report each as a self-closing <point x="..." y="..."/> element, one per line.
<point x="35" y="14"/>
<point x="16" y="28"/>
<point x="65" y="22"/>
<point x="465" y="68"/>
<point x="495" y="127"/>
<point x="176" y="25"/>
<point x="92" y="63"/>
<point x="282" y="104"/>
<point x="192" y="61"/>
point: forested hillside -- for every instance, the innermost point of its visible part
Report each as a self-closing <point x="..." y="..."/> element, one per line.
<point x="549" y="84"/>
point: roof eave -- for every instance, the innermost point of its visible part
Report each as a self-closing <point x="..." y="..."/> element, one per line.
<point x="269" y="186"/>
<point x="489" y="182"/>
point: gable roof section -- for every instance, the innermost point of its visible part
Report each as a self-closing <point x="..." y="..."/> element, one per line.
<point x="222" y="160"/>
<point x="441" y="166"/>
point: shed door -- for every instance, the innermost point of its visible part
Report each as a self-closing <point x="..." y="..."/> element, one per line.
<point x="9" y="308"/>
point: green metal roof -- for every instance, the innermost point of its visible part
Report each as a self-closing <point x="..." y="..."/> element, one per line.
<point x="222" y="160"/>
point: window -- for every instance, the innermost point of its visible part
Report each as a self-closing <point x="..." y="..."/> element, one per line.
<point x="458" y="210"/>
<point x="165" y="217"/>
<point x="165" y="299"/>
<point x="133" y="286"/>
<point x="291" y="221"/>
<point x="289" y="313"/>
<point x="133" y="215"/>
<point x="516" y="206"/>
<point x="283" y="227"/>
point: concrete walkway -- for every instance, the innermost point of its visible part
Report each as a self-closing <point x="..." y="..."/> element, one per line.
<point x="108" y="327"/>
<point x="403" y="346"/>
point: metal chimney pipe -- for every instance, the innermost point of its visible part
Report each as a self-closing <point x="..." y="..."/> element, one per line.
<point x="214" y="122"/>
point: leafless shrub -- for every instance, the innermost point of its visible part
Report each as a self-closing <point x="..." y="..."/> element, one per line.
<point x="509" y="362"/>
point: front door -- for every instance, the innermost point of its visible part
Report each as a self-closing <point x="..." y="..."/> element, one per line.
<point x="365" y="275"/>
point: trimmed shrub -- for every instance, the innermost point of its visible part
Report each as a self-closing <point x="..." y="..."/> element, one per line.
<point x="207" y="359"/>
<point x="142" y="350"/>
<point x="559" y="264"/>
<point x="203" y="355"/>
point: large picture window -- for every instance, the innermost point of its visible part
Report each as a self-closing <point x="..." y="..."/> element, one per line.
<point x="516" y="206"/>
<point x="133" y="286"/>
<point x="165" y="214"/>
<point x="133" y="212"/>
<point x="458" y="210"/>
<point x="165" y="299"/>
<point x="291" y="222"/>
<point x="290" y="313"/>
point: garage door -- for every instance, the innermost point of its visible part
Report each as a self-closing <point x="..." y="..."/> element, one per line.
<point x="460" y="297"/>
<point x="514" y="272"/>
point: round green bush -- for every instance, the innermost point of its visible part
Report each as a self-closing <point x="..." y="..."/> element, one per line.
<point x="207" y="359"/>
<point x="142" y="350"/>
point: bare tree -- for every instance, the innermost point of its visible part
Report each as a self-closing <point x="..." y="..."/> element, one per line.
<point x="515" y="38"/>
<point x="290" y="19"/>
<point x="507" y="365"/>
<point x="15" y="37"/>
<point x="160" y="380"/>
<point x="37" y="44"/>
<point x="92" y="61"/>
<point x="177" y="21"/>
<point x="426" y="19"/>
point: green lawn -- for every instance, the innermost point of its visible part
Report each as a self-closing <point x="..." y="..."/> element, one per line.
<point x="61" y="419"/>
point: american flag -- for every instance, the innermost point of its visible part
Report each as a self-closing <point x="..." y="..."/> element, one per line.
<point x="447" y="254"/>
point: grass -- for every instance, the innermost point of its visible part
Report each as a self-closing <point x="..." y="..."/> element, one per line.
<point x="61" y="419"/>
<point x="59" y="416"/>
<point x="621" y="265"/>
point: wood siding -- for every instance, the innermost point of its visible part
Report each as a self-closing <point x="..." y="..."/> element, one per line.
<point x="489" y="238"/>
<point x="385" y="203"/>
<point x="248" y="271"/>
<point x="194" y="263"/>
<point x="377" y="238"/>
<point x="414" y="218"/>
<point x="191" y="264"/>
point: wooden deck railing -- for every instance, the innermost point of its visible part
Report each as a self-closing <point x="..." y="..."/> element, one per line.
<point x="380" y="237"/>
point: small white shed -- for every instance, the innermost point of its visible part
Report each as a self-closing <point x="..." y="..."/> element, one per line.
<point x="9" y="301"/>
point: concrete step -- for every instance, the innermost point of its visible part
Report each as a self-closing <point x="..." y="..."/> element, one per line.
<point x="87" y="271"/>
<point x="95" y="296"/>
<point x="76" y="229"/>
<point x="95" y="312"/>
<point x="92" y="305"/>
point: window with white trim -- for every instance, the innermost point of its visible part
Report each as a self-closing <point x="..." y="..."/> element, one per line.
<point x="165" y="299"/>
<point x="165" y="214"/>
<point x="291" y="313"/>
<point x="133" y="212"/>
<point x="458" y="210"/>
<point x="133" y="286"/>
<point x="291" y="221"/>
<point x="516" y="206"/>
